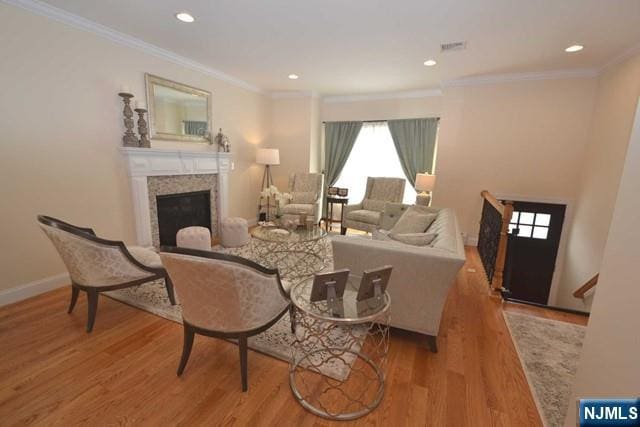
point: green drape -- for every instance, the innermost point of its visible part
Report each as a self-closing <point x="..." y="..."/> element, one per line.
<point x="415" y="142"/>
<point x="339" y="140"/>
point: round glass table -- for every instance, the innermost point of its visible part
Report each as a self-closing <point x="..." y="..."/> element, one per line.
<point x="297" y="253"/>
<point x="339" y="356"/>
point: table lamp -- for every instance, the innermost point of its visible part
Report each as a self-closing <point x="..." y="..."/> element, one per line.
<point x="424" y="185"/>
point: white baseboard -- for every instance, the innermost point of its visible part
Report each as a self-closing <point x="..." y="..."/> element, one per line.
<point x="471" y="241"/>
<point x="252" y="222"/>
<point x="31" y="289"/>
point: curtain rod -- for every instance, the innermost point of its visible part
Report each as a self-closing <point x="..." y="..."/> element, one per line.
<point x="375" y="121"/>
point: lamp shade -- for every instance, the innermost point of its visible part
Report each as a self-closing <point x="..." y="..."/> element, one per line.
<point x="268" y="156"/>
<point x="425" y="182"/>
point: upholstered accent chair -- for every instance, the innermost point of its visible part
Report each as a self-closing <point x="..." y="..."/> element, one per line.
<point x="366" y="215"/>
<point x="98" y="265"/>
<point x="306" y="189"/>
<point x="224" y="296"/>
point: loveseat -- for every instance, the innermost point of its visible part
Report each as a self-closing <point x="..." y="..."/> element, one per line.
<point x="422" y="275"/>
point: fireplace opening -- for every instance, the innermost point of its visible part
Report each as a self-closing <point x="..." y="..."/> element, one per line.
<point x="176" y="211"/>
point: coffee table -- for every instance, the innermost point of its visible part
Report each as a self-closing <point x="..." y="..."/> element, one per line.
<point x="297" y="253"/>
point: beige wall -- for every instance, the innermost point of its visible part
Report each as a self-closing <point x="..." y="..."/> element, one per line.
<point x="61" y="128"/>
<point x="618" y="90"/>
<point x="382" y="109"/>
<point x="609" y="361"/>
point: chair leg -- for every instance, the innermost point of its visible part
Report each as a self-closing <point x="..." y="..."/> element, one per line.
<point x="169" y="285"/>
<point x="186" y="347"/>
<point x="74" y="298"/>
<point x="343" y="230"/>
<point x="242" y="345"/>
<point x="92" y="299"/>
<point x="292" y="318"/>
<point x="432" y="343"/>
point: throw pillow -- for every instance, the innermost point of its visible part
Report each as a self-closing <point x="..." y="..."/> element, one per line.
<point x="414" y="220"/>
<point x="414" y="239"/>
<point x="373" y="205"/>
<point x="382" y="235"/>
<point x="304" y="198"/>
<point x="391" y="215"/>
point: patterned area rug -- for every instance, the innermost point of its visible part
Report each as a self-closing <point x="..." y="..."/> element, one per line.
<point x="277" y="341"/>
<point x="549" y="352"/>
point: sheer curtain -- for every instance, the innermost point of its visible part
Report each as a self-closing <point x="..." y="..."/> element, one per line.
<point x="373" y="154"/>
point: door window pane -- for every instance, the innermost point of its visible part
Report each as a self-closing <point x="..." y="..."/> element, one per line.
<point x="540" y="232"/>
<point x="512" y="227"/>
<point x="526" y="217"/>
<point x="525" y="231"/>
<point x="543" y="219"/>
<point x="514" y="217"/>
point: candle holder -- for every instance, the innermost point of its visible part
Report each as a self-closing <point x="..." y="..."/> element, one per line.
<point x="129" y="139"/>
<point x="143" y="129"/>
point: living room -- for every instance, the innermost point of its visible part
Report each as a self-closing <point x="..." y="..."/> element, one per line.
<point x="537" y="105"/>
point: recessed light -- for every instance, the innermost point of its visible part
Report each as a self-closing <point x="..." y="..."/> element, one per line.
<point x="574" y="48"/>
<point x="293" y="76"/>
<point x="430" y="62"/>
<point x="185" y="17"/>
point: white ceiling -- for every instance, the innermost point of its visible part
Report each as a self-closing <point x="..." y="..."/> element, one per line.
<point x="363" y="46"/>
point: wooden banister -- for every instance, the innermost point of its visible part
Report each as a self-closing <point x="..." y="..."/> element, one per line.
<point x="579" y="293"/>
<point x="506" y="212"/>
<point x="494" y="202"/>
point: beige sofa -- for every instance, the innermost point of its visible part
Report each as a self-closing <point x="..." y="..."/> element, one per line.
<point x="422" y="276"/>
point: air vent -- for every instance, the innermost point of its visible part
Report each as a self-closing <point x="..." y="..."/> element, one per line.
<point x="450" y="47"/>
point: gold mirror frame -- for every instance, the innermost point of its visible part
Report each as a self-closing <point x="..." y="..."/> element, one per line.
<point x="150" y="80"/>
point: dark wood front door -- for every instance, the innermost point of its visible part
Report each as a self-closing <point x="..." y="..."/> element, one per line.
<point x="534" y="237"/>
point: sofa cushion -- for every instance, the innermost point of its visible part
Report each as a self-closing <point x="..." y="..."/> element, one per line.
<point x="413" y="239"/>
<point x="373" y="205"/>
<point x="415" y="219"/>
<point x="362" y="215"/>
<point x="391" y="214"/>
<point x="382" y="235"/>
<point x="300" y="197"/>
<point x="297" y="208"/>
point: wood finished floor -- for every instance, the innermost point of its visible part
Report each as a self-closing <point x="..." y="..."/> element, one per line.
<point x="53" y="372"/>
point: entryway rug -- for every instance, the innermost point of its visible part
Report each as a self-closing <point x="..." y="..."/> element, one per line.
<point x="278" y="341"/>
<point x="549" y="352"/>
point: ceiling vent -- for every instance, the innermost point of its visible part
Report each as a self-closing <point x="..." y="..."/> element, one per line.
<point x="450" y="47"/>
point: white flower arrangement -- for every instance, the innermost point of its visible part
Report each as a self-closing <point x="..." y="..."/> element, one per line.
<point x="273" y="192"/>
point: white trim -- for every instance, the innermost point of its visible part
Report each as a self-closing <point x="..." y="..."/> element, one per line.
<point x="489" y="79"/>
<point x="31" y="289"/>
<point x="621" y="57"/>
<point x="383" y="95"/>
<point x="84" y="24"/>
<point x="294" y="94"/>
<point x="471" y="241"/>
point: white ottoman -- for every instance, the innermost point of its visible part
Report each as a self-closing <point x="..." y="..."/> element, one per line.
<point x="194" y="238"/>
<point x="235" y="232"/>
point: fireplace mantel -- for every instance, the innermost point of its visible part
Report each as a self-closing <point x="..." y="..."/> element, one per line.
<point x="145" y="162"/>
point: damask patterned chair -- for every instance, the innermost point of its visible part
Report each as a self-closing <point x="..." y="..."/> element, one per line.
<point x="98" y="265"/>
<point x="306" y="189"/>
<point x="366" y="215"/>
<point x="224" y="296"/>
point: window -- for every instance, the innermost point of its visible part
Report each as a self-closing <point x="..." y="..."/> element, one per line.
<point x="530" y="224"/>
<point x="373" y="154"/>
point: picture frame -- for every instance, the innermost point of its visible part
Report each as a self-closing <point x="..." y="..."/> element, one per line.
<point x="333" y="191"/>
<point x="326" y="284"/>
<point x="343" y="192"/>
<point x="374" y="282"/>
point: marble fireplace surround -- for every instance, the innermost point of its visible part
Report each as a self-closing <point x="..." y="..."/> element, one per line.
<point x="155" y="171"/>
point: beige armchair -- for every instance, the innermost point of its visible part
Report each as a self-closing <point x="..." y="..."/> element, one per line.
<point x="224" y="296"/>
<point x="98" y="265"/>
<point x="366" y="215"/>
<point x="306" y="189"/>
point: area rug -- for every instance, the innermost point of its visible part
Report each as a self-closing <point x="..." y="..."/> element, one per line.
<point x="549" y="352"/>
<point x="278" y="341"/>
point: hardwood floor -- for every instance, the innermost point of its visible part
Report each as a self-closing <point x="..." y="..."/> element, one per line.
<point x="53" y="372"/>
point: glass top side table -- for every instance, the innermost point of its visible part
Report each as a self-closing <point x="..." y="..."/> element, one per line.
<point x="339" y="356"/>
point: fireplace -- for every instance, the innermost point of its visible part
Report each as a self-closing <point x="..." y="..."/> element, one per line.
<point x="176" y="211"/>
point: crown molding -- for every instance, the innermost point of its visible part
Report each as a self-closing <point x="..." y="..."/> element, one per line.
<point x="294" y="94"/>
<point x="51" y="12"/>
<point x="621" y="57"/>
<point x="383" y="95"/>
<point x="576" y="73"/>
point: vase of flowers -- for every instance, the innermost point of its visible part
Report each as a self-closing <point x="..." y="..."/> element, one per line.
<point x="272" y="193"/>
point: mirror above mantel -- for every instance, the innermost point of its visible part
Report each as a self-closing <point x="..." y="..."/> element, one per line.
<point x="178" y="112"/>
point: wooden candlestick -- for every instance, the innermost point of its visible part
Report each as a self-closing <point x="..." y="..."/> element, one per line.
<point x="129" y="139"/>
<point x="143" y="129"/>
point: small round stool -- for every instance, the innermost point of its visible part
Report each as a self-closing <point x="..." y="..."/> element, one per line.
<point x="235" y="232"/>
<point x="194" y="238"/>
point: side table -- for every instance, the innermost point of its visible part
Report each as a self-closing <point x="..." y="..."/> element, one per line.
<point x="333" y="200"/>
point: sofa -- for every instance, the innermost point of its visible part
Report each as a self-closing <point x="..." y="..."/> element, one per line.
<point x="366" y="215"/>
<point x="422" y="275"/>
